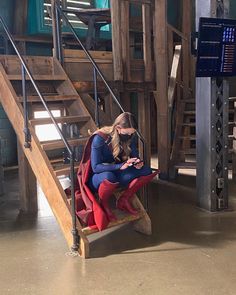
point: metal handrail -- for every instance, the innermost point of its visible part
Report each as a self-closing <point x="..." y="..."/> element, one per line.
<point x="60" y="11"/>
<point x="95" y="66"/>
<point x="25" y="70"/>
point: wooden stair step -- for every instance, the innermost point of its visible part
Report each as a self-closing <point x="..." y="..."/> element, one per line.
<point x="64" y="169"/>
<point x="58" y="144"/>
<point x="190" y="113"/>
<point x="188" y="124"/>
<point x="186" y="165"/>
<point x="56" y="160"/>
<point x="121" y="220"/>
<point x="193" y="151"/>
<point x="39" y="77"/>
<point x="191" y="137"/>
<point x="189" y="151"/>
<point x="35" y="98"/>
<point x="65" y="119"/>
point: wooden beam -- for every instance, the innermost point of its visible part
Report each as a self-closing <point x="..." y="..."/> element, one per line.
<point x="20" y="17"/>
<point x="147" y="42"/>
<point x="173" y="75"/>
<point x="125" y="39"/>
<point x="161" y="95"/>
<point x="27" y="184"/>
<point x="144" y="122"/>
<point x="187" y="29"/>
<point x="116" y="40"/>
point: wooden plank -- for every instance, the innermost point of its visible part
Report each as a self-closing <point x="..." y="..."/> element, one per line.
<point x="88" y="87"/>
<point x="144" y="123"/>
<point x="116" y="40"/>
<point x="99" y="55"/>
<point x="83" y="72"/>
<point x="125" y="40"/>
<point x="124" y="219"/>
<point x="187" y="29"/>
<point x="27" y="184"/>
<point x="144" y="224"/>
<point x="64" y="169"/>
<point x="20" y="17"/>
<point x="48" y="98"/>
<point x="147" y="41"/>
<point x="85" y="60"/>
<point x="173" y="75"/>
<point x="39" y="77"/>
<point x="105" y="119"/>
<point x="186" y="165"/>
<point x="58" y="144"/>
<point x="176" y="31"/>
<point x="161" y="95"/>
<point x="66" y="119"/>
<point x="37" y="159"/>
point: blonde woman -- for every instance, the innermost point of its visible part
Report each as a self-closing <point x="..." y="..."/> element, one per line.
<point x="111" y="160"/>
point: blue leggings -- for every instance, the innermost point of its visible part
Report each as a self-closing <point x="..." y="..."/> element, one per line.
<point x="124" y="177"/>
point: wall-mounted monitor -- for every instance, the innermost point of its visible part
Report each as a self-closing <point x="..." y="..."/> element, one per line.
<point x="216" y="52"/>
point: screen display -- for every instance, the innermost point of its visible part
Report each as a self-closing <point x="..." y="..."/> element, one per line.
<point x="216" y="53"/>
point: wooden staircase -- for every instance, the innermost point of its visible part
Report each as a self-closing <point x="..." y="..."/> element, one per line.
<point x="183" y="154"/>
<point x="46" y="156"/>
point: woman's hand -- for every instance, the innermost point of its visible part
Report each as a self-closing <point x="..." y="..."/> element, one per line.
<point x="138" y="164"/>
<point x="128" y="163"/>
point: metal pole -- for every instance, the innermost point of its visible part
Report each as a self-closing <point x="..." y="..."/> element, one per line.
<point x="212" y="126"/>
<point x="91" y="59"/>
<point x="74" y="230"/>
<point x="56" y="29"/>
<point x="25" y="105"/>
<point x="96" y="98"/>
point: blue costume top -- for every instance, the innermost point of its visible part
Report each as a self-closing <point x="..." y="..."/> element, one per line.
<point x="104" y="166"/>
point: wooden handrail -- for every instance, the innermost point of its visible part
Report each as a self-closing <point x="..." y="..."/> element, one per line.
<point x="180" y="34"/>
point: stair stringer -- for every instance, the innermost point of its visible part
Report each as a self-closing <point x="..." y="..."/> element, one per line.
<point x="38" y="160"/>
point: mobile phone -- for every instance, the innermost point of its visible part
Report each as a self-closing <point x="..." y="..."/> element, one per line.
<point x="135" y="163"/>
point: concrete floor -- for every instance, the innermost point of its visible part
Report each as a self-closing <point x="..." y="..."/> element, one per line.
<point x="190" y="251"/>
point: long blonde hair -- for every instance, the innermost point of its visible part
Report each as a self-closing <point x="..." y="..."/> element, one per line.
<point x="124" y="120"/>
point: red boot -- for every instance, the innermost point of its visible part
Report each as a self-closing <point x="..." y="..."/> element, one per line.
<point x="105" y="191"/>
<point x="124" y="201"/>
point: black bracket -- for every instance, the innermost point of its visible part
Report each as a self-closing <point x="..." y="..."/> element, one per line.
<point x="194" y="37"/>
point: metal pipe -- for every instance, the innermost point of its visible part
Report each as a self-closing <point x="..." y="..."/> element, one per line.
<point x="58" y="34"/>
<point x="25" y="106"/>
<point x="74" y="230"/>
<point x="90" y="58"/>
<point x="96" y="98"/>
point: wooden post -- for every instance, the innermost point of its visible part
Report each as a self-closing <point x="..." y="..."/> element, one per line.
<point x="27" y="184"/>
<point x="116" y="40"/>
<point x="161" y="59"/>
<point x="147" y="42"/>
<point x="144" y="122"/>
<point x="187" y="29"/>
<point x="125" y="40"/>
<point x="20" y="17"/>
<point x="125" y="101"/>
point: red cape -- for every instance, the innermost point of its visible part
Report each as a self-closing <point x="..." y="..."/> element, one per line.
<point x="87" y="207"/>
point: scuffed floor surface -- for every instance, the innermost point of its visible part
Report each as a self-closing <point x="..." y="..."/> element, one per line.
<point x="190" y="252"/>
